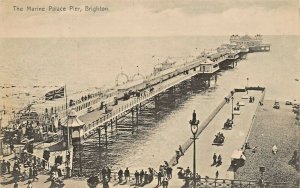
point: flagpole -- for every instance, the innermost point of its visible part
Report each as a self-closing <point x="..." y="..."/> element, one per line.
<point x="68" y="131"/>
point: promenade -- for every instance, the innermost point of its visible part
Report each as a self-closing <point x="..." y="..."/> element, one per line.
<point x="234" y="139"/>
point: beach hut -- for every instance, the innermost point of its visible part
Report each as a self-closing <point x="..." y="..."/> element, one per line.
<point x="75" y="126"/>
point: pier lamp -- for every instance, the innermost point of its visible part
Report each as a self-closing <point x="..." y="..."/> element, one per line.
<point x="194" y="129"/>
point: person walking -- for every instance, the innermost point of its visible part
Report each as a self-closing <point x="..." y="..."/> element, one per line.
<point x="165" y="183"/>
<point x="219" y="160"/>
<point x="146" y="178"/>
<point x="137" y="177"/>
<point x="8" y="166"/>
<point x="35" y="173"/>
<point x="214" y="159"/>
<point x="188" y="171"/>
<point x="181" y="151"/>
<point x="3" y="167"/>
<point x="29" y="184"/>
<point x="217" y="174"/>
<point x="159" y="176"/>
<point x="103" y="172"/>
<point x="127" y="175"/>
<point x="16" y="185"/>
<point x="30" y="172"/>
<point x="108" y="171"/>
<point x="170" y="171"/>
<point x="142" y="176"/>
<point x="120" y="175"/>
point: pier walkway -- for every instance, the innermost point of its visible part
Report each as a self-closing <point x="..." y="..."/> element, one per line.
<point x="98" y="118"/>
<point x="234" y="139"/>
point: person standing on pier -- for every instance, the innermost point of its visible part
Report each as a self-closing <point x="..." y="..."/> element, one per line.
<point x="142" y="176"/>
<point x="137" y="177"/>
<point x="108" y="170"/>
<point x="8" y="166"/>
<point x="165" y="183"/>
<point x="177" y="156"/>
<point x="219" y="160"/>
<point x="127" y="175"/>
<point x="188" y="171"/>
<point x="169" y="172"/>
<point x="214" y="159"/>
<point x="181" y="151"/>
<point x="120" y="175"/>
<point x="146" y="177"/>
<point x="159" y="176"/>
<point x="103" y="173"/>
<point x="217" y="174"/>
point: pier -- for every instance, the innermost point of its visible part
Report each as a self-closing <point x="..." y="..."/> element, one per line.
<point x="200" y="69"/>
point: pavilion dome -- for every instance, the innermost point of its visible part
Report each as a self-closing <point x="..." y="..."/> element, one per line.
<point x="73" y="113"/>
<point x="73" y="120"/>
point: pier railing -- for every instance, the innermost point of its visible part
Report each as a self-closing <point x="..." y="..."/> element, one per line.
<point x="134" y="102"/>
<point x="210" y="182"/>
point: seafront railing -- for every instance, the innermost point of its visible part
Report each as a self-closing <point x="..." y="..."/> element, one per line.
<point x="211" y="182"/>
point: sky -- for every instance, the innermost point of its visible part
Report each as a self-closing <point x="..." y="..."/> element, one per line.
<point x="151" y="18"/>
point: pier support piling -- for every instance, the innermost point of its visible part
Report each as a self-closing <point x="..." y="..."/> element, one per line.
<point x="99" y="136"/>
<point x="105" y="128"/>
<point x="116" y="123"/>
<point x="111" y="125"/>
<point x="132" y="120"/>
<point x="137" y="116"/>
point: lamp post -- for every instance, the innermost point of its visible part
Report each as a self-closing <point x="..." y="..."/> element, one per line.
<point x="194" y="129"/>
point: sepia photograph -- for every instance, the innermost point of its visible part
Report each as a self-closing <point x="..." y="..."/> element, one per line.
<point x="149" y="93"/>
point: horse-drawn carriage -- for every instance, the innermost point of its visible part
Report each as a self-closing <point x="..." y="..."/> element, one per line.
<point x="219" y="139"/>
<point x="228" y="124"/>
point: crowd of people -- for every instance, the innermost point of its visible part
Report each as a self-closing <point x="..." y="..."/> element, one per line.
<point x="187" y="176"/>
<point x="139" y="177"/>
<point x="24" y="168"/>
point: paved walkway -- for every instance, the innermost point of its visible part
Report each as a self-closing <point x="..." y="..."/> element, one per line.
<point x="234" y="139"/>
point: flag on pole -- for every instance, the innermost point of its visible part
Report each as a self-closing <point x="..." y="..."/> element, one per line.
<point x="55" y="94"/>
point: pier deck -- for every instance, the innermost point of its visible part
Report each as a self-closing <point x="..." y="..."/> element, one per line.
<point x="98" y="118"/>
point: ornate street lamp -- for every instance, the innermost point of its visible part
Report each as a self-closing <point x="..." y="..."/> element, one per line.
<point x="194" y="129"/>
